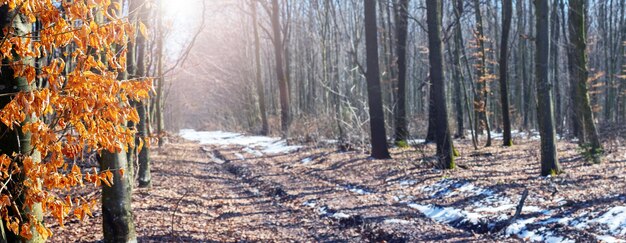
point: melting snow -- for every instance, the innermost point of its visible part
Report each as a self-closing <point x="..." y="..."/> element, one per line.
<point x="397" y="221"/>
<point x="446" y="214"/>
<point x="309" y="203"/>
<point x="608" y="239"/>
<point x="615" y="220"/>
<point x="496" y="209"/>
<point x="488" y="205"/>
<point x="306" y="160"/>
<point x="252" y="151"/>
<point x="340" y="216"/>
<point x="357" y="189"/>
<point x="416" y="141"/>
<point x="408" y="182"/>
<point x="267" y="145"/>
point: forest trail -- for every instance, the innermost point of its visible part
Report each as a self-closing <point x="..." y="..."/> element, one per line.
<point x="260" y="189"/>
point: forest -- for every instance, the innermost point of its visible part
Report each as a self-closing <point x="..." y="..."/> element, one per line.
<point x="313" y="121"/>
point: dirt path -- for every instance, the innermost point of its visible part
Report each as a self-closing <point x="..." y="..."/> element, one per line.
<point x="197" y="197"/>
<point x="232" y="193"/>
<point x="330" y="201"/>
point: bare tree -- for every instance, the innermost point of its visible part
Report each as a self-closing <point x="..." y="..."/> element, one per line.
<point x="377" y="116"/>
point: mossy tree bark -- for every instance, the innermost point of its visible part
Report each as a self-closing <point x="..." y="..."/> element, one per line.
<point x="257" y="64"/>
<point x="117" y="217"/>
<point x="445" y="149"/>
<point x="545" y="108"/>
<point x="588" y="137"/>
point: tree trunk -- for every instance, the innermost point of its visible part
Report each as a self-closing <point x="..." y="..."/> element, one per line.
<point x="402" y="16"/>
<point x="459" y="92"/>
<point x="482" y="85"/>
<point x="545" y="109"/>
<point x="461" y="47"/>
<point x="117" y="217"/>
<point x="158" y="104"/>
<point x="257" y="63"/>
<point x="16" y="141"/>
<point x="143" y="126"/>
<point x="579" y="75"/>
<point x="432" y="114"/>
<point x="280" y="73"/>
<point x="507" y="12"/>
<point x="554" y="54"/>
<point x="445" y="149"/>
<point x="377" y="117"/>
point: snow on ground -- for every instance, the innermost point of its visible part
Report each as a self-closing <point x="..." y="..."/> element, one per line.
<point x="534" y="135"/>
<point x="615" y="220"/>
<point x="481" y="209"/>
<point x="446" y="214"/>
<point x="255" y="145"/>
<point x="306" y="160"/>
<point x="397" y="221"/>
<point x="356" y="189"/>
<point x="415" y="141"/>
<point x="483" y="205"/>
<point x="406" y="183"/>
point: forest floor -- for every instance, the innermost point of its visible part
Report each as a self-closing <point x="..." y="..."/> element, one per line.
<point x="259" y="189"/>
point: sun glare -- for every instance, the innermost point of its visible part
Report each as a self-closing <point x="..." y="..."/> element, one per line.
<point x="180" y="8"/>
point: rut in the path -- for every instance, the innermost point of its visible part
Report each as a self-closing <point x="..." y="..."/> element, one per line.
<point x="338" y="222"/>
<point x="354" y="212"/>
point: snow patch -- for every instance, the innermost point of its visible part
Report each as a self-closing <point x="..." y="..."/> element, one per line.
<point x="357" y="189"/>
<point x="397" y="221"/>
<point x="252" y="151"/>
<point x="615" y="220"/>
<point x="340" y="216"/>
<point x="495" y="209"/>
<point x="446" y="214"/>
<point x="608" y="239"/>
<point x="408" y="182"/>
<point x="306" y="160"/>
<point x="416" y="141"/>
<point x="268" y="145"/>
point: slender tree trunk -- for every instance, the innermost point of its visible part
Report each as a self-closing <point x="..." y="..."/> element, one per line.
<point x="158" y="106"/>
<point x="579" y="75"/>
<point x="143" y="133"/>
<point x="461" y="47"/>
<point x="431" y="133"/>
<point x="545" y="109"/>
<point x="285" y="115"/>
<point x="377" y="116"/>
<point x="257" y="63"/>
<point x="131" y="73"/>
<point x="480" y="100"/>
<point x="402" y="130"/>
<point x="507" y="12"/>
<point x="459" y="92"/>
<point x="445" y="150"/>
<point x="554" y="54"/>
